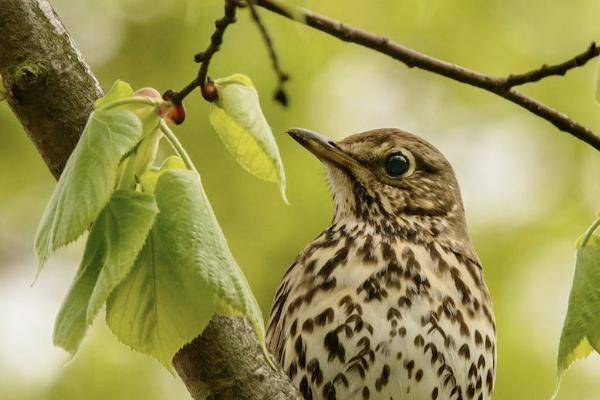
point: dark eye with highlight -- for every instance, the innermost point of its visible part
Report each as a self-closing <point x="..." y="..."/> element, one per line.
<point x="397" y="164"/>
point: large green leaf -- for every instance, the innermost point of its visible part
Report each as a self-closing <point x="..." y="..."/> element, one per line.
<point x="239" y="121"/>
<point x="119" y="90"/>
<point x="184" y="275"/>
<point x="149" y="178"/>
<point x="115" y="240"/>
<point x="88" y="179"/>
<point x="581" y="330"/>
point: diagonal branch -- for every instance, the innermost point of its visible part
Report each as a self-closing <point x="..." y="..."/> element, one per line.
<point x="501" y="86"/>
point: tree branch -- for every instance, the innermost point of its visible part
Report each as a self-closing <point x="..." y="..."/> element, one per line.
<point x="52" y="91"/>
<point x="282" y="77"/>
<point x="201" y="80"/>
<point x="50" y="88"/>
<point x="226" y="363"/>
<point x="502" y="86"/>
<point x="552" y="70"/>
<point x="205" y="57"/>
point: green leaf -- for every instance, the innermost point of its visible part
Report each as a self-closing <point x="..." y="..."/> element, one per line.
<point x="238" y="119"/>
<point x="115" y="240"/>
<point x="150" y="177"/>
<point x="148" y="149"/>
<point x="119" y="90"/>
<point x="581" y="330"/>
<point x="122" y="95"/>
<point x="88" y="179"/>
<point x="184" y="275"/>
<point x="3" y="91"/>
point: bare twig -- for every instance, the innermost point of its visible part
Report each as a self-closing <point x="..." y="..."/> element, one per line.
<point x="502" y="86"/>
<point x="201" y="80"/>
<point x="552" y="70"/>
<point x="282" y="77"/>
<point x="205" y="57"/>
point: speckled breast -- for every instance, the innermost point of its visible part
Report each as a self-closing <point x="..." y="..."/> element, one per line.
<point x="365" y="316"/>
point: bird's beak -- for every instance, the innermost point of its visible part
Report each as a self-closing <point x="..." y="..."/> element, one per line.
<point x="323" y="148"/>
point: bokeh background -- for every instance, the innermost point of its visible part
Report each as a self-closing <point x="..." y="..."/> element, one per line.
<point x="529" y="190"/>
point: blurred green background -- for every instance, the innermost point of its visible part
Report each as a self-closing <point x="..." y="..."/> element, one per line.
<point x="529" y="190"/>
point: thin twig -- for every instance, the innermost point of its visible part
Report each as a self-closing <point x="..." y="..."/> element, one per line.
<point x="282" y="77"/>
<point x="552" y="70"/>
<point x="205" y="57"/>
<point x="502" y="86"/>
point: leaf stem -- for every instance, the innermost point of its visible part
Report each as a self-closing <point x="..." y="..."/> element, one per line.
<point x="590" y="232"/>
<point x="176" y="145"/>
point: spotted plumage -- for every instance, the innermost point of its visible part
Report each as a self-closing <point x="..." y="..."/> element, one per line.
<point x="389" y="302"/>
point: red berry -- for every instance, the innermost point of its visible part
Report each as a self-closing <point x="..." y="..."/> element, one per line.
<point x="174" y="113"/>
<point x="209" y="91"/>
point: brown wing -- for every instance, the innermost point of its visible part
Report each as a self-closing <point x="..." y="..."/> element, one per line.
<point x="276" y="337"/>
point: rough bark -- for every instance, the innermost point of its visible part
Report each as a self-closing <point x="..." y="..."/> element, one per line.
<point x="51" y="89"/>
<point x="52" y="92"/>
<point x="226" y="362"/>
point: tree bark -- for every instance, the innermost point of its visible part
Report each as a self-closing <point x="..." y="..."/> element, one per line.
<point x="52" y="91"/>
<point x="226" y="362"/>
<point x="51" y="88"/>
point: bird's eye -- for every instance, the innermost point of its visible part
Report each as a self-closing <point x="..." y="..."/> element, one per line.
<point x="397" y="164"/>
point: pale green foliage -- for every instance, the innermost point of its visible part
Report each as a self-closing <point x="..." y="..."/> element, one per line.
<point x="115" y="240"/>
<point x="581" y="330"/>
<point x="88" y="179"/>
<point x="185" y="274"/>
<point x="156" y="254"/>
<point x="119" y="90"/>
<point x="147" y="151"/>
<point x="146" y="110"/>
<point x="239" y="121"/>
<point x="150" y="177"/>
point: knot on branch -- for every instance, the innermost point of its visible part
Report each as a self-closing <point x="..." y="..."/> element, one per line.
<point x="27" y="77"/>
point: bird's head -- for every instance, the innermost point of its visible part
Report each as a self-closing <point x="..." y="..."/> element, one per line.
<point x="387" y="173"/>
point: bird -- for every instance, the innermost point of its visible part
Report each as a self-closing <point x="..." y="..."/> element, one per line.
<point x="389" y="302"/>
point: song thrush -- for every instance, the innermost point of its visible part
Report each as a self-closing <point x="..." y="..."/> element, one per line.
<point x="389" y="302"/>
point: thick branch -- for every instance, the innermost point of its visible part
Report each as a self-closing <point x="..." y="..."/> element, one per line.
<point x="502" y="86"/>
<point x="51" y="89"/>
<point x="232" y="365"/>
<point x="52" y="92"/>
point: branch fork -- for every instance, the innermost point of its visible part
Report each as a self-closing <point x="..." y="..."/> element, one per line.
<point x="203" y="81"/>
<point x="502" y="86"/>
